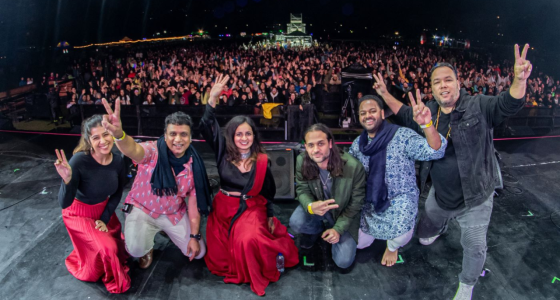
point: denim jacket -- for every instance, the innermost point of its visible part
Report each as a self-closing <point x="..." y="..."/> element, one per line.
<point x="472" y="124"/>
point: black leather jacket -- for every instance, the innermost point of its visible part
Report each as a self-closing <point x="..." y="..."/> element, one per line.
<point x="472" y="124"/>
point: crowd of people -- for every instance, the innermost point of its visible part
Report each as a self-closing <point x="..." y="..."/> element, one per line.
<point x="177" y="75"/>
<point x="347" y="199"/>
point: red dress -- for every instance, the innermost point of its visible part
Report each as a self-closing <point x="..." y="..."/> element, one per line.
<point x="96" y="254"/>
<point x="248" y="253"/>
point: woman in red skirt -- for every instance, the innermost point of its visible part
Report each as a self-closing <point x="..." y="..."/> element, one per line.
<point x="243" y="236"/>
<point x="92" y="187"/>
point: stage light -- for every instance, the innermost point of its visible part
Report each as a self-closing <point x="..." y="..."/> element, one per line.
<point x="396" y="33"/>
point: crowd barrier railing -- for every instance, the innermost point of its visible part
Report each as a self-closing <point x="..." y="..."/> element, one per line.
<point x="149" y="120"/>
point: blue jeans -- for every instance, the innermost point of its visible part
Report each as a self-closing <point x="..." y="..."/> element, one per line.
<point x="474" y="223"/>
<point x="343" y="252"/>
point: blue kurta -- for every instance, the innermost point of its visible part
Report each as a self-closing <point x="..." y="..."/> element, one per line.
<point x="400" y="177"/>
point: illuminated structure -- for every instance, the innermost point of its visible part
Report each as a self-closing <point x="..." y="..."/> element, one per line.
<point x="296" y="34"/>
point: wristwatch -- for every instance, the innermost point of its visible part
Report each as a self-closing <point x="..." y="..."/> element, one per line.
<point x="196" y="236"/>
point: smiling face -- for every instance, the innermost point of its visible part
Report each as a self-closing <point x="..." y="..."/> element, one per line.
<point x="445" y="86"/>
<point x="318" y="147"/>
<point x="243" y="138"/>
<point x="371" y="116"/>
<point x="178" y="139"/>
<point x="101" y="140"/>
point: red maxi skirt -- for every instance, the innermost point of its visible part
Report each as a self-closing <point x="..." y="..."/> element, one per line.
<point x="248" y="253"/>
<point x="96" y="254"/>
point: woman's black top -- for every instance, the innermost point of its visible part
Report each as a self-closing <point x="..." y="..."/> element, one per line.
<point x="93" y="183"/>
<point x="231" y="179"/>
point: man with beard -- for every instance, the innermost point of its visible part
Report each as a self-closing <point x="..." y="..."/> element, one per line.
<point x="463" y="182"/>
<point x="388" y="152"/>
<point x="330" y="189"/>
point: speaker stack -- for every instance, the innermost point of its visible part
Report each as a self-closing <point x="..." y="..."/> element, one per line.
<point x="283" y="164"/>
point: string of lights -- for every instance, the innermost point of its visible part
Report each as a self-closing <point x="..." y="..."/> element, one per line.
<point x="123" y="42"/>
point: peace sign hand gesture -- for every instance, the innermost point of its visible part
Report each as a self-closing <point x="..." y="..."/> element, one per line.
<point x="217" y="89"/>
<point x="62" y="166"/>
<point x="522" y="67"/>
<point x="379" y="85"/>
<point x="422" y="114"/>
<point x="112" y="120"/>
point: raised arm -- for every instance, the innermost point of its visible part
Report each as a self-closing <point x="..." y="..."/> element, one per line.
<point x="522" y="70"/>
<point x="209" y="125"/>
<point x="125" y="143"/>
<point x="506" y="104"/>
<point x="381" y="89"/>
<point x="423" y="116"/>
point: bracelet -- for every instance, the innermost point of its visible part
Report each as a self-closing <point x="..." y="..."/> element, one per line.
<point x="427" y="125"/>
<point x="122" y="138"/>
<point x="196" y="236"/>
<point x="309" y="210"/>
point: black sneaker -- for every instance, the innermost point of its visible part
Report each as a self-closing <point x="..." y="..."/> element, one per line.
<point x="325" y="256"/>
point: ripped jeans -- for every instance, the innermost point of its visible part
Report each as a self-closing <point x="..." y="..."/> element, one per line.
<point x="474" y="226"/>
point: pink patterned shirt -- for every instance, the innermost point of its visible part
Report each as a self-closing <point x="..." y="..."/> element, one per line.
<point x="141" y="196"/>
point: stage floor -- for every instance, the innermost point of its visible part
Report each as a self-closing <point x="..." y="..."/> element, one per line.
<point x="523" y="241"/>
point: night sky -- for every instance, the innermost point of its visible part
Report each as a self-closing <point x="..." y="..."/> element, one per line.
<point x="40" y="23"/>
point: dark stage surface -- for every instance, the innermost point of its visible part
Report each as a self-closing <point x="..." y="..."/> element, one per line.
<point x="523" y="241"/>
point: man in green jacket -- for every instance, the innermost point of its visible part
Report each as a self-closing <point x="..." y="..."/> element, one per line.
<point x="331" y="190"/>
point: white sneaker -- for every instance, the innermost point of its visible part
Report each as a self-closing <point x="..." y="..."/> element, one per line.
<point x="428" y="241"/>
<point x="464" y="292"/>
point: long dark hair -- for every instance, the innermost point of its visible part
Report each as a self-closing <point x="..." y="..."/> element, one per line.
<point x="84" y="144"/>
<point x="232" y="153"/>
<point x="310" y="169"/>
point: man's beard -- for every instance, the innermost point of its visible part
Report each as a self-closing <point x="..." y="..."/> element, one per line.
<point x="449" y="103"/>
<point x="321" y="160"/>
